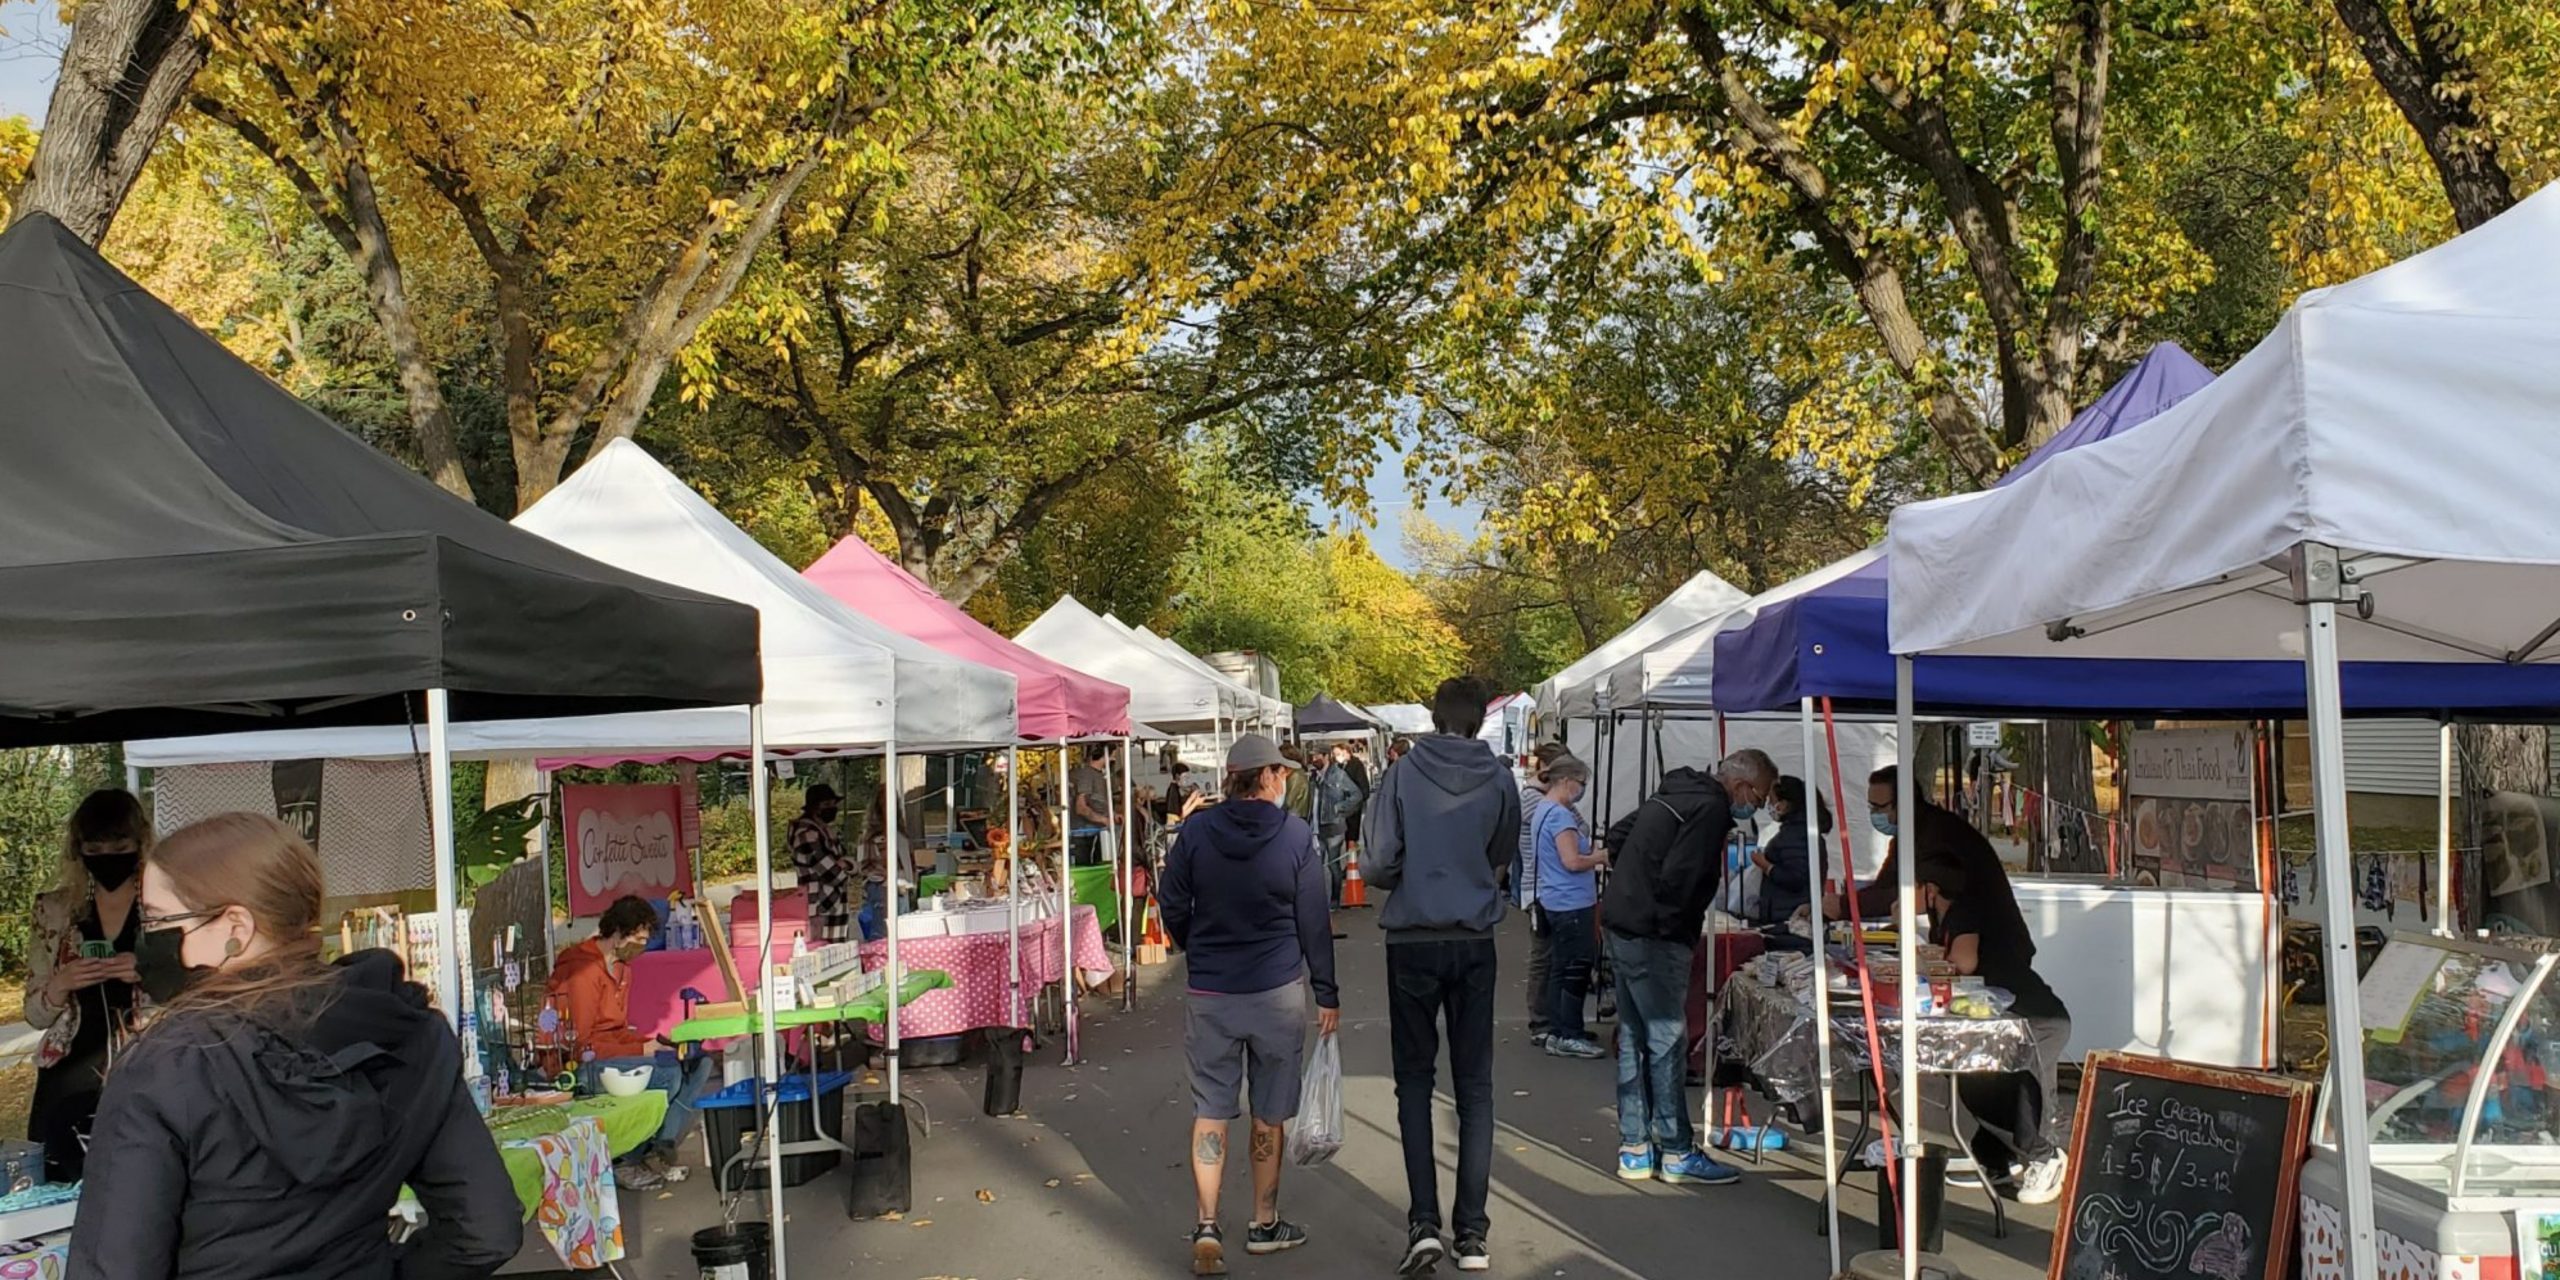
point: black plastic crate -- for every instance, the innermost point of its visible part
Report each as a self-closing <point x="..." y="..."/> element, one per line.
<point x="730" y="1115"/>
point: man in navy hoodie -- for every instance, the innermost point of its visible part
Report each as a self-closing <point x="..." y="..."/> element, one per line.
<point x="1244" y="896"/>
<point x="1444" y="823"/>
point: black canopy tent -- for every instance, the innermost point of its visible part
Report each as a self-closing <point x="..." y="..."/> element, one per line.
<point x="186" y="548"/>
<point x="1326" y="716"/>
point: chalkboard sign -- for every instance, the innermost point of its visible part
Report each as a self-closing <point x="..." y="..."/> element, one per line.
<point x="2181" y="1171"/>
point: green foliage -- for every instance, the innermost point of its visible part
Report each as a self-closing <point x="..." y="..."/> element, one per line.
<point x="39" y="787"/>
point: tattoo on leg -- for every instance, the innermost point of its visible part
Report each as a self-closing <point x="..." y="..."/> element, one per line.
<point x="1266" y="1144"/>
<point x="1210" y="1147"/>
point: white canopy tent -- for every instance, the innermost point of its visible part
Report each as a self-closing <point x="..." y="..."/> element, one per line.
<point x="2370" y="485"/>
<point x="836" y="678"/>
<point x="1245" y="702"/>
<point x="1678" y="670"/>
<point x="1574" y="692"/>
<point x="1401" y="717"/>
<point x="1162" y="692"/>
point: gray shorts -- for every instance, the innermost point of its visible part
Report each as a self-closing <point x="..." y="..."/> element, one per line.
<point x="1235" y="1041"/>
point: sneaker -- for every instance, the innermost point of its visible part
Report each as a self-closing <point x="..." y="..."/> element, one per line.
<point x="1278" y="1234"/>
<point x="2041" y="1181"/>
<point x="1696" y="1166"/>
<point x="1540" y="1039"/>
<point x="1568" y="1047"/>
<point x="1208" y="1250"/>
<point x="1635" y="1164"/>
<point x="665" y="1167"/>
<point x="1422" y="1252"/>
<point x="1472" y="1255"/>
<point x="637" y="1177"/>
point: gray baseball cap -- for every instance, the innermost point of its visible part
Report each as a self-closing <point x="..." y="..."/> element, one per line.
<point x="1254" y="751"/>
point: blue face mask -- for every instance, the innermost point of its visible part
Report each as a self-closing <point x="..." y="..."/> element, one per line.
<point x="1742" y="812"/>
<point x="1883" y="822"/>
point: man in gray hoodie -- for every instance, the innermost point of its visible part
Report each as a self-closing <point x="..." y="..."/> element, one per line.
<point x="1444" y="823"/>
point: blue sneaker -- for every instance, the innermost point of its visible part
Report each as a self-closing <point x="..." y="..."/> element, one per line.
<point x="1694" y="1166"/>
<point x="1635" y="1164"/>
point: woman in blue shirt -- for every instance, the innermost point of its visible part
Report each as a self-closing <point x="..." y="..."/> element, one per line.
<point x="1564" y="896"/>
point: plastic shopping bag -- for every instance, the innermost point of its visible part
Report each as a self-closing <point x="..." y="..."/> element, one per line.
<point x="1316" y="1133"/>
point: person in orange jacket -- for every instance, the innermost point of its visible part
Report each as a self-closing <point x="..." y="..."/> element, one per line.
<point x="591" y="985"/>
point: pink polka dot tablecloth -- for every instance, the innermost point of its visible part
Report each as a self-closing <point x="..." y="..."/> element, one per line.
<point x="976" y="963"/>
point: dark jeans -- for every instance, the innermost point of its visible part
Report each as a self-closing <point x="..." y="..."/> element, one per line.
<point x="1653" y="1077"/>
<point x="1426" y="980"/>
<point x="1540" y="1006"/>
<point x="1572" y="950"/>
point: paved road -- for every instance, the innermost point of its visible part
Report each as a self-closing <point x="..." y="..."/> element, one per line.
<point x="1092" y="1182"/>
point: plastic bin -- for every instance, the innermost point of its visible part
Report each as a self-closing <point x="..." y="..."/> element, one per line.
<point x="730" y="1115"/>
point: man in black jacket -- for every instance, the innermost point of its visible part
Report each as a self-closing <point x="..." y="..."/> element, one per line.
<point x="1666" y="858"/>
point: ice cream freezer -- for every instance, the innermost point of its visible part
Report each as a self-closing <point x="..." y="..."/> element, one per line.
<point x="2462" y="1058"/>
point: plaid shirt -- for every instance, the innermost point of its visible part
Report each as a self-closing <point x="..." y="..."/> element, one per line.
<point x="826" y="876"/>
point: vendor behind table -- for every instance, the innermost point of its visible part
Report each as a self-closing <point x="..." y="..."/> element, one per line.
<point x="591" y="985"/>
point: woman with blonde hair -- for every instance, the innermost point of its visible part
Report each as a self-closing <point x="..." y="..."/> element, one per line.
<point x="265" y="1121"/>
<point x="80" y="990"/>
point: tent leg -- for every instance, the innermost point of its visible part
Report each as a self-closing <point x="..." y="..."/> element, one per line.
<point x="894" y="798"/>
<point x="1128" y="816"/>
<point x="542" y="846"/>
<point x="1066" y="907"/>
<point x="1907" y="921"/>
<point x="2445" y="920"/>
<point x="769" y="1054"/>
<point x="1013" y="885"/>
<point x="1821" y="984"/>
<point x="449" y="939"/>
<point x="2338" y="923"/>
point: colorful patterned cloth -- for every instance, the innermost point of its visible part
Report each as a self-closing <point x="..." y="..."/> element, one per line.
<point x="47" y="1261"/>
<point x="580" y="1214"/>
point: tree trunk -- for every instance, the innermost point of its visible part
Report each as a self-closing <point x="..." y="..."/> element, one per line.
<point x="2504" y="757"/>
<point x="125" y="71"/>
<point x="2429" y="78"/>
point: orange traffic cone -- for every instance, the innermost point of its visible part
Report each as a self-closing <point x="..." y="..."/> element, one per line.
<point x="1354" y="893"/>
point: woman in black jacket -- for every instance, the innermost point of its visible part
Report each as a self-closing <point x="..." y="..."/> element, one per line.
<point x="264" y="1124"/>
<point x="1786" y="874"/>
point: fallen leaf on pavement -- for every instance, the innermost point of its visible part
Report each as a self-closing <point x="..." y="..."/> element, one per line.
<point x="921" y="1222"/>
<point x="985" y="1196"/>
<point x="1051" y="1183"/>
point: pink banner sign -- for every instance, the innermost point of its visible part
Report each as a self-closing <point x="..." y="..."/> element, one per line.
<point x="623" y="840"/>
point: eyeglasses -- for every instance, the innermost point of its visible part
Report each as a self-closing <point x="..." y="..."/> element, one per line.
<point x="150" y="921"/>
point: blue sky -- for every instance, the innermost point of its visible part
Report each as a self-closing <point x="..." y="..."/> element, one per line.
<point x="28" y="53"/>
<point x="31" y="48"/>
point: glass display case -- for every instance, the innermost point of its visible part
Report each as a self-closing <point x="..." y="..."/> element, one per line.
<point x="2461" y="1049"/>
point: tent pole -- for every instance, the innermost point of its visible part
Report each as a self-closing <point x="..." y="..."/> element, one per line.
<point x="2445" y="922"/>
<point x="1013" y="885"/>
<point x="1821" y="979"/>
<point x="894" y="796"/>
<point x="1128" y="816"/>
<point x="449" y="940"/>
<point x="770" y="1058"/>
<point x="1066" y="906"/>
<point x="1906" y="813"/>
<point x="2337" y="902"/>
<point x="542" y="846"/>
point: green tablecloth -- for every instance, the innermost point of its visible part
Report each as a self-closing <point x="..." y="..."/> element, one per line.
<point x="871" y="1008"/>
<point x="1092" y="888"/>
<point x="627" y="1122"/>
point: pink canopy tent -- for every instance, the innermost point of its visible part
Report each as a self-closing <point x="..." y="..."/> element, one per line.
<point x="1055" y="700"/>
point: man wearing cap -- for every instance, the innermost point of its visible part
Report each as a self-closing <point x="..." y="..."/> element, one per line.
<point x="1243" y="896"/>
<point x="818" y="858"/>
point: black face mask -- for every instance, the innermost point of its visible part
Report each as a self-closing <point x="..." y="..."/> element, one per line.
<point x="110" y="871"/>
<point x="160" y="966"/>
